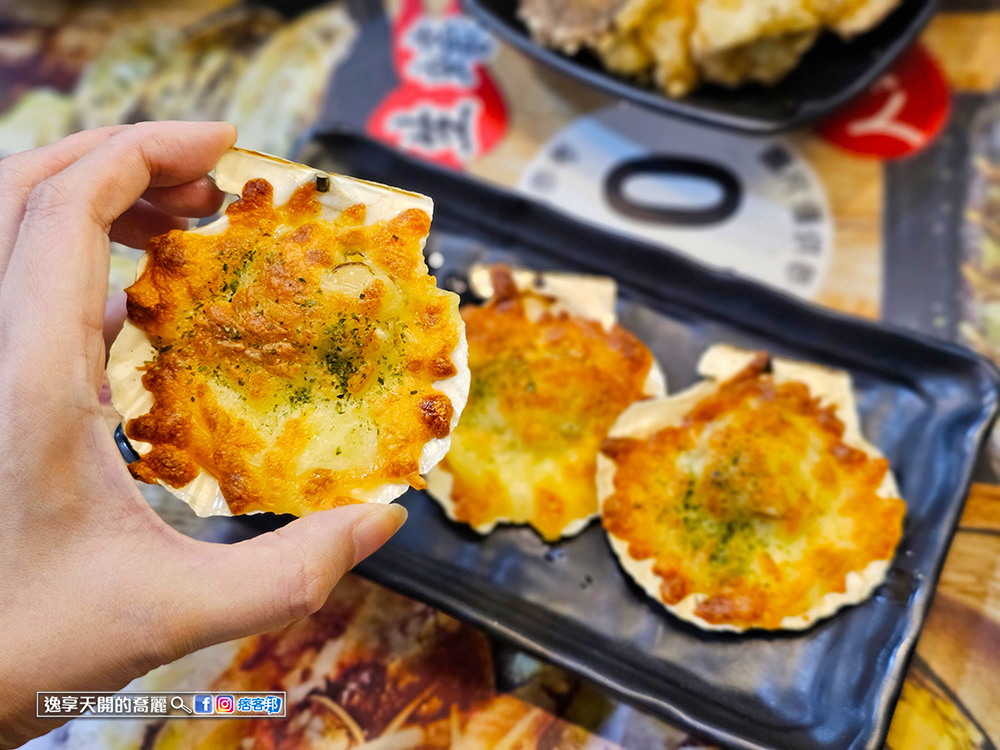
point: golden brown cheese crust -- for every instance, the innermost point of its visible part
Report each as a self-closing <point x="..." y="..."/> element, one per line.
<point x="544" y="394"/>
<point x="286" y="313"/>
<point x="754" y="501"/>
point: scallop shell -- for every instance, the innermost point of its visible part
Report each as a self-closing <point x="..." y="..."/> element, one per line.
<point x="132" y="349"/>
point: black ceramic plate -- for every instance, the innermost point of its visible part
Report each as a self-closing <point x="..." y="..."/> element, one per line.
<point x="927" y="405"/>
<point x="830" y="74"/>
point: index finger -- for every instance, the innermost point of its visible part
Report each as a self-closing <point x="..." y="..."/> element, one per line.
<point x="20" y="173"/>
<point x="63" y="238"/>
<point x="151" y="154"/>
<point x="61" y="253"/>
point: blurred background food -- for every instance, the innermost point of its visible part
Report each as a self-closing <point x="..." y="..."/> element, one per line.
<point x="677" y="44"/>
<point x="72" y="66"/>
<point x="76" y="66"/>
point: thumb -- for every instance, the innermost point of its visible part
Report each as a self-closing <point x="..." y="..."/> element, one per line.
<point x="114" y="318"/>
<point x="267" y="582"/>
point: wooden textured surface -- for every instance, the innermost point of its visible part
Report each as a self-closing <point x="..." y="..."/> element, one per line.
<point x="960" y="643"/>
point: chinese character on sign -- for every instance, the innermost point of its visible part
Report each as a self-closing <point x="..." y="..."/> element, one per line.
<point x="544" y="180"/>
<point x="429" y="129"/>
<point x="807" y="212"/>
<point x="884" y="121"/>
<point x="140" y="704"/>
<point x="447" y="50"/>
<point x="52" y="704"/>
<point x="257" y="703"/>
<point x="104" y="704"/>
<point x="776" y="157"/>
<point x="87" y="703"/>
<point x="243" y="704"/>
<point x="69" y="703"/>
<point x="564" y="153"/>
<point x="800" y="273"/>
<point x="272" y="704"/>
<point x="808" y="242"/>
<point x="447" y="107"/>
<point x="795" y="181"/>
<point x="158" y="704"/>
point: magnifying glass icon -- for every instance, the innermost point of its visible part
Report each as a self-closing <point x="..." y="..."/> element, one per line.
<point x="177" y="703"/>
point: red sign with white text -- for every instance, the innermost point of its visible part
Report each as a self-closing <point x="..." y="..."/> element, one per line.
<point x="447" y="107"/>
<point x="900" y="114"/>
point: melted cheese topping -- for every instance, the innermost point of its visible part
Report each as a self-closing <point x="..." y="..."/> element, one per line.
<point x="295" y="358"/>
<point x="751" y="510"/>
<point x="546" y="386"/>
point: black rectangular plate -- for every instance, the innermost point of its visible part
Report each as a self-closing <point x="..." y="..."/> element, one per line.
<point x="830" y="74"/>
<point x="927" y="405"/>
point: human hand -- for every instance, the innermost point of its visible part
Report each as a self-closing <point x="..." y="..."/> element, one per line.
<point x="96" y="589"/>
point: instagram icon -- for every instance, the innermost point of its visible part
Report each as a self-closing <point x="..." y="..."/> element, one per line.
<point x="224" y="704"/>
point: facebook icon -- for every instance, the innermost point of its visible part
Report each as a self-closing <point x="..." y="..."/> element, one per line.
<point x="204" y="704"/>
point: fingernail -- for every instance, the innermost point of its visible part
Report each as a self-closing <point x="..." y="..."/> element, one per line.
<point x="381" y="522"/>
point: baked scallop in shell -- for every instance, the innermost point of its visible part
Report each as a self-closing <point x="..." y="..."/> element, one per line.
<point x="551" y="371"/>
<point x="295" y="354"/>
<point x="751" y="499"/>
